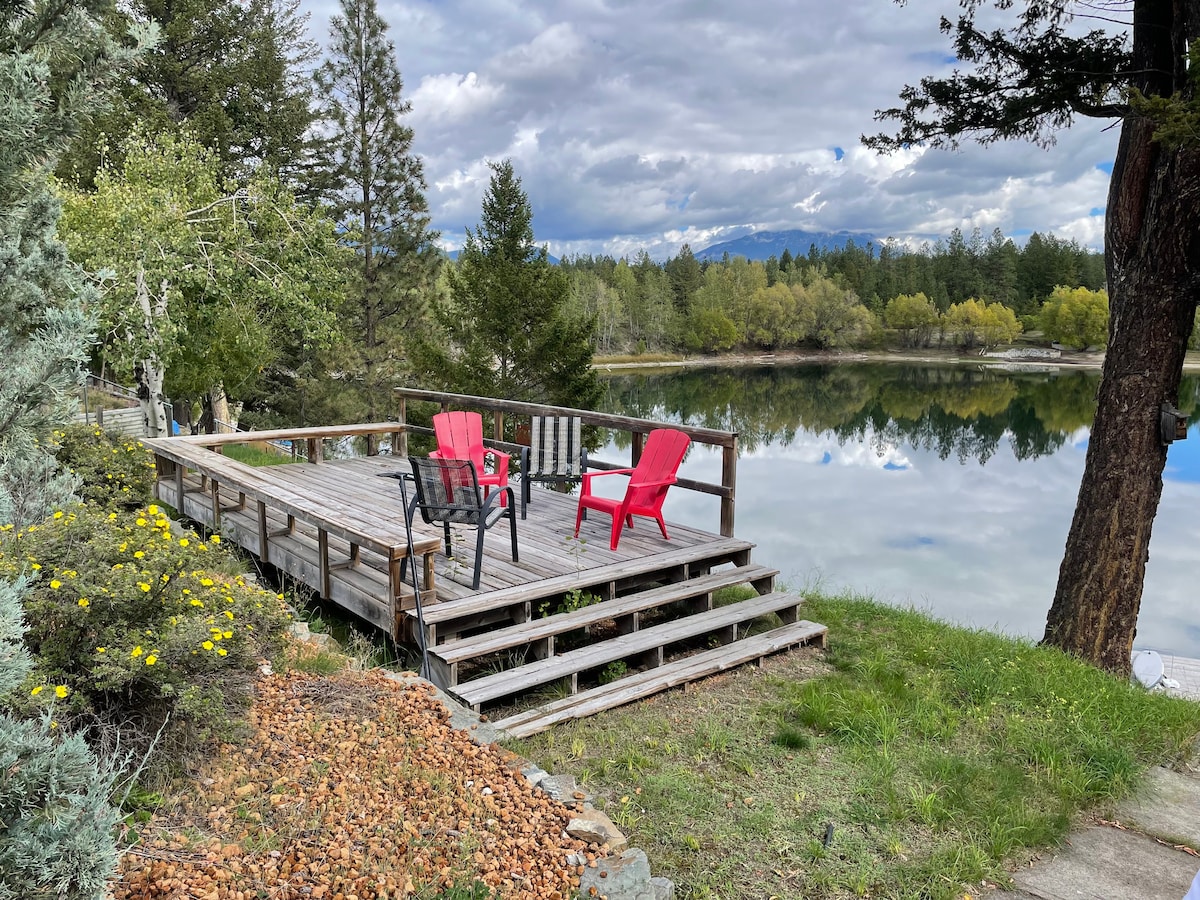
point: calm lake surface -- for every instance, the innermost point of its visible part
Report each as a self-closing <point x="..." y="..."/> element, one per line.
<point x="950" y="489"/>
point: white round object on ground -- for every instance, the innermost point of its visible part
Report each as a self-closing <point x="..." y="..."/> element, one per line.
<point x="1147" y="668"/>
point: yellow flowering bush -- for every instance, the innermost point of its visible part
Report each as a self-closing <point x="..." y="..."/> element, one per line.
<point x="116" y="472"/>
<point x="132" y="619"/>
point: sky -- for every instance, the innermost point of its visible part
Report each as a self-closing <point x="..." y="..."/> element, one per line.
<point x="647" y="125"/>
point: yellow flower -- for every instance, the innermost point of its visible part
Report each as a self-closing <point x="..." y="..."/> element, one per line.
<point x="229" y="613"/>
<point x="152" y="509"/>
<point x="195" y="601"/>
<point x="84" y="602"/>
<point x="216" y="539"/>
<point x="61" y="691"/>
<point x="56" y="584"/>
<point x="221" y="651"/>
<point x="136" y="652"/>
<point x="139" y="554"/>
<point x="35" y="566"/>
<point x="208" y="645"/>
<point x="37" y="690"/>
<point x="206" y="582"/>
<point x="101" y="649"/>
<point x="141" y="522"/>
<point x="122" y="547"/>
<point x="183" y="542"/>
<point x="151" y="659"/>
<point x="227" y="634"/>
<point x="145" y="587"/>
<point x="58" y="514"/>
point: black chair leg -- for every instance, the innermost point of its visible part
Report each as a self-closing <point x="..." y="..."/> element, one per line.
<point x="480" y="531"/>
<point x="449" y="547"/>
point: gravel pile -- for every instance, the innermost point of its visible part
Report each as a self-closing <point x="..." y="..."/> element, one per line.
<point x="354" y="787"/>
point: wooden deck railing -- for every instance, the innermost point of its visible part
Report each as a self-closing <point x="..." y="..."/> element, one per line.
<point x="638" y="428"/>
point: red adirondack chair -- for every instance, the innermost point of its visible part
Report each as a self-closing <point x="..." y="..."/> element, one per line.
<point x="460" y="436"/>
<point x="648" y="483"/>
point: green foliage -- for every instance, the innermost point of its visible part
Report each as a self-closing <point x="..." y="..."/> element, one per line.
<point x="914" y="316"/>
<point x="240" y="275"/>
<point x="509" y="332"/>
<point x="56" y="824"/>
<point x="234" y="73"/>
<point x="56" y="61"/>
<point x="614" y="671"/>
<point x="974" y="322"/>
<point x="114" y="472"/>
<point x="1075" y="317"/>
<point x="134" y="627"/>
<point x="379" y="200"/>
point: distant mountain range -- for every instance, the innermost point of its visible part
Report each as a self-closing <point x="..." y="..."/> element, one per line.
<point x="761" y="245"/>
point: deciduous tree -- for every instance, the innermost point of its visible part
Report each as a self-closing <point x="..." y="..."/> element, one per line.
<point x="1026" y="81"/>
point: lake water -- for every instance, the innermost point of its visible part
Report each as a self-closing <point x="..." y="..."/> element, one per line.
<point x="950" y="489"/>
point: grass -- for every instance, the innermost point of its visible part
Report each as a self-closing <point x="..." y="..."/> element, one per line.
<point x="254" y="456"/>
<point x="624" y="358"/>
<point x="911" y="761"/>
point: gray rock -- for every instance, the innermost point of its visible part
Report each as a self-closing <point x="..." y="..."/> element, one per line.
<point x="664" y="888"/>
<point x="594" y="827"/>
<point x="623" y="877"/>
<point x="534" y="774"/>
<point x="560" y="787"/>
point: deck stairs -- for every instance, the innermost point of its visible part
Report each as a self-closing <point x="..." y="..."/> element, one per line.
<point x="635" y="640"/>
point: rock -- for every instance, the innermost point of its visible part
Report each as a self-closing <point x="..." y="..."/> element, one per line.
<point x="624" y="877"/>
<point x="564" y="789"/>
<point x="664" y="888"/>
<point x="594" y="827"/>
<point x="534" y="774"/>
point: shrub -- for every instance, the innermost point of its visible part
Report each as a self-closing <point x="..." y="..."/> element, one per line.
<point x="1075" y="317"/>
<point x="56" y="824"/>
<point x="117" y="473"/>
<point x="132" y="625"/>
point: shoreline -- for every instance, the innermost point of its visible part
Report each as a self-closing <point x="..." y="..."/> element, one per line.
<point x="1068" y="360"/>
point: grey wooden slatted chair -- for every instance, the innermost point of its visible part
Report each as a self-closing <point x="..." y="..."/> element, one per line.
<point x="555" y="453"/>
<point x="448" y="492"/>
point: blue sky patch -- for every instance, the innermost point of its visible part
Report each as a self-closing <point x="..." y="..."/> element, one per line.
<point x="826" y="458"/>
<point x="838" y="153"/>
<point x="1105" y="167"/>
<point x="895" y="466"/>
<point x="1097" y="211"/>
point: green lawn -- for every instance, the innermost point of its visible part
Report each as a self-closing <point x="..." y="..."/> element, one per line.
<point x="911" y="760"/>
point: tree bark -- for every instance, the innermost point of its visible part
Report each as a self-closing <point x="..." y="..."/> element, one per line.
<point x="149" y="371"/>
<point x="1153" y="261"/>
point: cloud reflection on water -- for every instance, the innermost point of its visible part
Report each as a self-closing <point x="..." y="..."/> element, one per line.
<point x="971" y="542"/>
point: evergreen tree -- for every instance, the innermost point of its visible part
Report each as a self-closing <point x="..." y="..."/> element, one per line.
<point x="380" y="199"/>
<point x="235" y="72"/>
<point x="56" y="824"/>
<point x="55" y="59"/>
<point x="1024" y="82"/>
<point x="508" y="328"/>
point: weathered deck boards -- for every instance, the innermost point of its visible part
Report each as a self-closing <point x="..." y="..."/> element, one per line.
<point x="338" y="527"/>
<point x="551" y="562"/>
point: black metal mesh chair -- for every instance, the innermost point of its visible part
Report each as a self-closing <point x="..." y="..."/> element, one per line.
<point x="448" y="492"/>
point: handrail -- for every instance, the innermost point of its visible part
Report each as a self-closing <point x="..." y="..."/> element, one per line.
<point x="639" y="428"/>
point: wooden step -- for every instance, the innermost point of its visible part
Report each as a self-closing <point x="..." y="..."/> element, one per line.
<point x="539" y="634"/>
<point x="445" y="620"/>
<point x="653" y="681"/>
<point x="649" y="642"/>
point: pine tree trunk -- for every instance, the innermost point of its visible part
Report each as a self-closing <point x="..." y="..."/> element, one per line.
<point x="1153" y="254"/>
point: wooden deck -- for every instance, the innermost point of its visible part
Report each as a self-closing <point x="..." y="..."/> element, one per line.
<point x="570" y="612"/>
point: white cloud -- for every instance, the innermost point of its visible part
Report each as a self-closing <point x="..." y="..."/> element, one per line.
<point x="639" y="125"/>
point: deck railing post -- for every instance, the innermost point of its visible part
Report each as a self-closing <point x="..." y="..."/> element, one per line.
<point x="401" y="444"/>
<point x="728" y="481"/>
<point x="635" y="453"/>
<point x="498" y="425"/>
